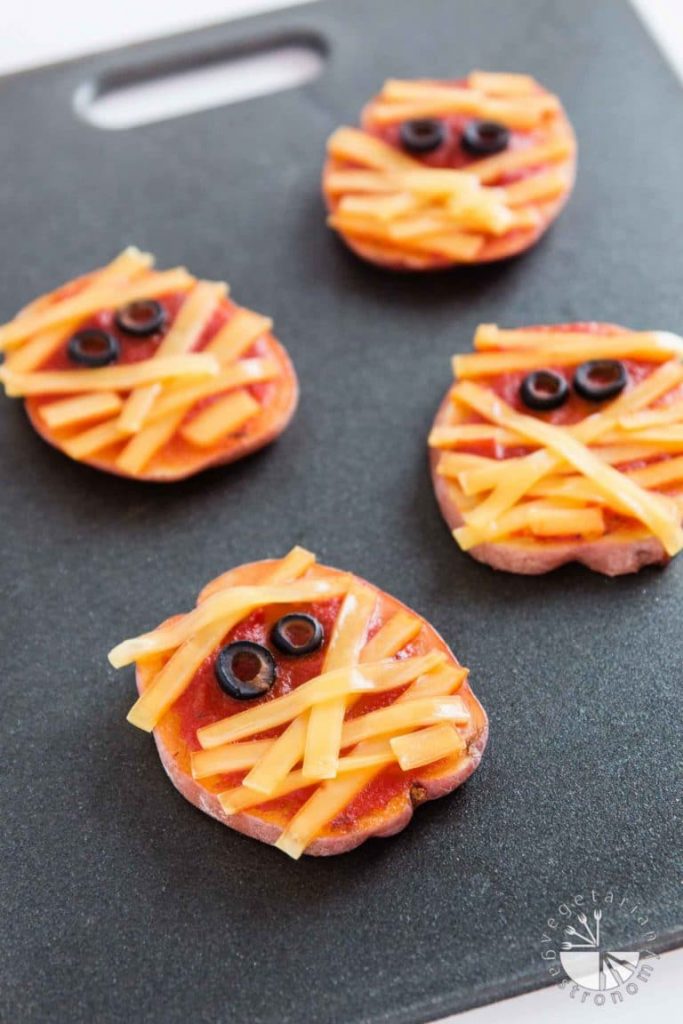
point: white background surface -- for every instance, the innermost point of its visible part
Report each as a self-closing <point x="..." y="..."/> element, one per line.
<point x="34" y="32"/>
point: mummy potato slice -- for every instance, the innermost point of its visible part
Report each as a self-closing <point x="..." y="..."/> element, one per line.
<point x="148" y="374"/>
<point x="304" y="707"/>
<point x="564" y="443"/>
<point x="448" y="172"/>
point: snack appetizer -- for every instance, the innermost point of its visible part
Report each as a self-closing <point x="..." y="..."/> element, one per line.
<point x="561" y="444"/>
<point x="304" y="707"/>
<point x="148" y="374"/>
<point x="446" y="172"/>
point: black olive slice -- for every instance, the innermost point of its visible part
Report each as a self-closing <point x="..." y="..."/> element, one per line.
<point x="93" y="348"/>
<point x="141" y="317"/>
<point x="544" y="390"/>
<point x="482" y="138"/>
<point x="600" y="379"/>
<point x="297" y="634"/>
<point x="245" y="670"/>
<point x="423" y="136"/>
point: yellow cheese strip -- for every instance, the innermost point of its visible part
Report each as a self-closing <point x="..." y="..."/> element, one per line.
<point x="246" y="371"/>
<point x="422" y="183"/>
<point x="542" y="519"/>
<point x="144" y="445"/>
<point x="357" y="146"/>
<point x="401" y="717"/>
<point x="220" y="419"/>
<point x="502" y="83"/>
<point x="382" y="207"/>
<point x="167" y="416"/>
<point x="298" y="558"/>
<point x="235" y="756"/>
<point x="547" y="185"/>
<point x="71" y="411"/>
<point x="426" y="746"/>
<point x="178" y="672"/>
<point x="672" y="413"/>
<point x="90" y="301"/>
<point x="232" y="757"/>
<point x="490" y="336"/>
<point x="451" y="245"/>
<point x="392" y="637"/>
<point x="229" y="756"/>
<point x="325" y="803"/>
<point x="491" y="168"/>
<point x="108" y="378"/>
<point x="325" y="722"/>
<point x="129" y="264"/>
<point x="413" y="100"/>
<point x="517" y="475"/>
<point x="377" y="677"/>
<point x="224" y="603"/>
<point x="659" y="474"/>
<point x="137" y="408"/>
<point x="652" y="510"/>
<point x="563" y="353"/>
<point x="238" y="335"/>
<point x="323" y="806"/>
<point x="197" y="309"/>
<point x="492" y="218"/>
<point x="96" y="439"/>
<point x="473" y="433"/>
<point x="281" y="756"/>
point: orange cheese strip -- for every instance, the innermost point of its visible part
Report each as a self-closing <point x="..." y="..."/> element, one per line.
<point x="542" y="519"/>
<point x="652" y="510"/>
<point x="279" y="757"/>
<point x="71" y="411"/>
<point x="108" y="378"/>
<point x="426" y="746"/>
<point x="547" y="185"/>
<point x="144" y="445"/>
<point x="376" y="678"/>
<point x="176" y="675"/>
<point x="220" y="606"/>
<point x="233" y="756"/>
<point x="357" y="146"/>
<point x="563" y="353"/>
<point x="323" y="737"/>
<point x="238" y="335"/>
<point x="491" y="168"/>
<point x="90" y="301"/>
<point x="128" y="265"/>
<point x="220" y="419"/>
<point x="502" y="83"/>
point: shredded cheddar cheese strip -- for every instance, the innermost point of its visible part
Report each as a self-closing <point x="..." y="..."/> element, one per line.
<point x="224" y="603"/>
<point x="502" y="83"/>
<point x="176" y="675"/>
<point x="108" y="378"/>
<point x="71" y="411"/>
<point x="197" y="309"/>
<point x="372" y="678"/>
<point x="436" y="683"/>
<point x="652" y="510"/>
<point x="289" y="749"/>
<point x="229" y="757"/>
<point x="237" y="336"/>
<point x="84" y="304"/>
<point x="540" y="518"/>
<point x="221" y="419"/>
<point x="415" y="99"/>
<point x="426" y="746"/>
<point x="563" y="353"/>
<point x="129" y="265"/>
<point x="326" y="802"/>
<point x="323" y="736"/>
<point x="277" y="759"/>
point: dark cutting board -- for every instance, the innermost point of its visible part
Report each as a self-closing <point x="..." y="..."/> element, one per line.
<point x="123" y="902"/>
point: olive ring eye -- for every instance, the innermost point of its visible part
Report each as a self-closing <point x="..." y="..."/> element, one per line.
<point x="544" y="390"/>
<point x="245" y="670"/>
<point x="297" y="634"/>
<point x="600" y="379"/>
<point x="423" y="136"/>
<point x="141" y="317"/>
<point x="93" y="348"/>
<point x="483" y="138"/>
